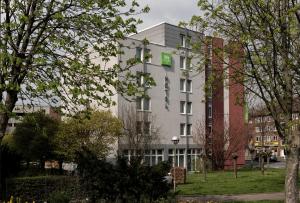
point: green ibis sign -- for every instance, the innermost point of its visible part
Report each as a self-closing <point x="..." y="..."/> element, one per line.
<point x="166" y="59"/>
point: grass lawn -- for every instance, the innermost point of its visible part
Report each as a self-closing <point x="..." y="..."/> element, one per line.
<point x="248" y="181"/>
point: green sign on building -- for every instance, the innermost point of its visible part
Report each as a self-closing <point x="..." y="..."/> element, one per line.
<point x="166" y="59"/>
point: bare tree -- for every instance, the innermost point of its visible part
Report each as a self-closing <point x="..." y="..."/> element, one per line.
<point x="218" y="146"/>
<point x="201" y="136"/>
<point x="140" y="131"/>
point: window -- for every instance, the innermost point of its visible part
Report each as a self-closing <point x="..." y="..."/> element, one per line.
<point x="257" y="138"/>
<point x="138" y="53"/>
<point x="189" y="108"/>
<point x="147" y="128"/>
<point x="139" y="103"/>
<point x="182" y="85"/>
<point x="185" y="85"/>
<point x="142" y="79"/>
<point x="146" y="104"/>
<point x="185" y="129"/>
<point x="182" y="40"/>
<point x="209" y="111"/>
<point x="182" y="129"/>
<point x="182" y="106"/>
<point x="295" y="116"/>
<point x="189" y="85"/>
<point x="188" y="63"/>
<point x="182" y="62"/>
<point x="147" y="55"/>
<point x="143" y="104"/>
<point x="139" y="127"/>
<point x="258" y="120"/>
<point x="188" y="129"/>
<point x="143" y="55"/>
<point x="257" y="129"/>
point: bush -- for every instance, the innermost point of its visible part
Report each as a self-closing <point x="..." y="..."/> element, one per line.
<point x="123" y="182"/>
<point x="10" y="165"/>
<point x="42" y="188"/>
<point x="59" y="197"/>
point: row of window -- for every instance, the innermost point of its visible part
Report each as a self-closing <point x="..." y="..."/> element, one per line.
<point x="155" y="156"/>
<point x="145" y="55"/>
<point x="267" y="138"/>
<point x="265" y="129"/>
<point x="295" y="116"/>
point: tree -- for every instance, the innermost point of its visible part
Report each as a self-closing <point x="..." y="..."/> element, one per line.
<point x="140" y="130"/>
<point x="98" y="131"/>
<point x="218" y="146"/>
<point x="201" y="136"/>
<point x="49" y="51"/>
<point x="34" y="136"/>
<point x="264" y="36"/>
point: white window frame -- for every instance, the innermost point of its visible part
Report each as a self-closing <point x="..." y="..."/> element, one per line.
<point x="143" y="106"/>
<point x="183" y="64"/>
<point x="184" y="85"/>
<point x="144" y="53"/>
<point x="191" y="87"/>
<point x="191" y="110"/>
<point x="184" y="107"/>
<point x="142" y="59"/>
<point x="182" y="40"/>
<point x="184" y="129"/>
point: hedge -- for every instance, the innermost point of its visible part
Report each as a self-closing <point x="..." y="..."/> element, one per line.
<point x="40" y="188"/>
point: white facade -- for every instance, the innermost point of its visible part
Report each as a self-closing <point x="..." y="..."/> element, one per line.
<point x="177" y="101"/>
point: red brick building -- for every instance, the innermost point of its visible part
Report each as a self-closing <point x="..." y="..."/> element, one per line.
<point x="225" y="111"/>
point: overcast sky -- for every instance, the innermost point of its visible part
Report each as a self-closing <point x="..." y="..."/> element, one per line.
<point x="170" y="11"/>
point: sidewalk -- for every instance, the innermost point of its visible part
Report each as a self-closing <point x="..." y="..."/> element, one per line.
<point x="221" y="198"/>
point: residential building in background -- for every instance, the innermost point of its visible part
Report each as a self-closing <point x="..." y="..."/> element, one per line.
<point x="178" y="99"/>
<point x="21" y="110"/>
<point x="264" y="135"/>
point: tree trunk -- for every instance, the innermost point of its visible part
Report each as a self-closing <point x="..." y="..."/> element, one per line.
<point x="262" y="166"/>
<point x="6" y="110"/>
<point x="291" y="177"/>
<point x="204" y="168"/>
<point x="235" y="168"/>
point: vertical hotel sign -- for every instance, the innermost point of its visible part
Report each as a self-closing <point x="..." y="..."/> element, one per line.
<point x="166" y="59"/>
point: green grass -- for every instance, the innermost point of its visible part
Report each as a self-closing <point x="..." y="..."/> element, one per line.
<point x="248" y="181"/>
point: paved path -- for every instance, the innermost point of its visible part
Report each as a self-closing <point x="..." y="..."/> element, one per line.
<point x="221" y="198"/>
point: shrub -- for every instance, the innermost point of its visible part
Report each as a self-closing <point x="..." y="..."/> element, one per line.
<point x="59" y="197"/>
<point x="123" y="182"/>
<point x="41" y="188"/>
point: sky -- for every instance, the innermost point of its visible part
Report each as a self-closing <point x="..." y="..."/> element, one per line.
<point x="170" y="11"/>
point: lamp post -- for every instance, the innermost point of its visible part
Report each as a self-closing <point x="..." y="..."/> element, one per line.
<point x="175" y="141"/>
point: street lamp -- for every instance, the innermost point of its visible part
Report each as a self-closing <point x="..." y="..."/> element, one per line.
<point x="175" y="141"/>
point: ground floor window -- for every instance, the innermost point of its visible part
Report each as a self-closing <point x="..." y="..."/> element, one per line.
<point x="179" y="159"/>
<point x="151" y="157"/>
<point x="193" y="159"/>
